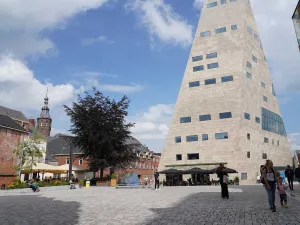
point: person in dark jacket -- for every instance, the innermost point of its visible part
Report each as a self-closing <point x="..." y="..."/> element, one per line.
<point x="221" y="172"/>
<point x="156" y="178"/>
<point x="289" y="173"/>
<point x="297" y="174"/>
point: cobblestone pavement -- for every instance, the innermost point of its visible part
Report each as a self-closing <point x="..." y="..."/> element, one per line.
<point x="170" y="205"/>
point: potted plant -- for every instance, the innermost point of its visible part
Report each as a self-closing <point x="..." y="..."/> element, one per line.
<point x="113" y="180"/>
<point x="236" y="180"/>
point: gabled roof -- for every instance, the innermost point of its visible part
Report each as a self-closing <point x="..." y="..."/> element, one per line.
<point x="7" y="122"/>
<point x="14" y="114"/>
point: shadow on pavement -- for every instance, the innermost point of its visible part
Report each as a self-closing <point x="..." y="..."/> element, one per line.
<point x="30" y="209"/>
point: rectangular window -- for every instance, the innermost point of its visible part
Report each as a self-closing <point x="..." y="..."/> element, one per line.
<point x="247" y="116"/>
<point x="248" y="155"/>
<point x="233" y="27"/>
<point x="225" y="115"/>
<point x="265" y="58"/>
<point x="226" y="79"/>
<point x="211" y="55"/>
<point x="273" y="90"/>
<point x="264" y="156"/>
<point x="223" y="135"/>
<point x="249" y="65"/>
<point x="80" y="161"/>
<point x="205" y="34"/>
<point x="187" y="119"/>
<point x="256" y="37"/>
<point x="177" y="139"/>
<point x="248" y="136"/>
<point x="265" y="99"/>
<point x="194" y="84"/>
<point x="249" y="75"/>
<point x="261" y="46"/>
<point x="266" y="140"/>
<point x="263" y="84"/>
<point x="191" y="138"/>
<point x="198" y="68"/>
<point x="204" y="137"/>
<point x="204" y="117"/>
<point x="223" y="2"/>
<point x="257" y="119"/>
<point x="249" y="30"/>
<point x="197" y="58"/>
<point x="233" y="0"/>
<point x="213" y="4"/>
<point x="67" y="160"/>
<point x="210" y="81"/>
<point x="272" y="141"/>
<point x="178" y="157"/>
<point x="212" y="65"/>
<point x="254" y="59"/>
<point x="193" y="156"/>
<point x="272" y="122"/>
<point x="221" y="30"/>
<point x="278" y="142"/>
<point x="244" y="176"/>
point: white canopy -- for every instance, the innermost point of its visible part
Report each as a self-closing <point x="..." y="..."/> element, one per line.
<point x="44" y="167"/>
<point x="65" y="167"/>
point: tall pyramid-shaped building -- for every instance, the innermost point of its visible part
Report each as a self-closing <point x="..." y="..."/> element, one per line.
<point x="227" y="110"/>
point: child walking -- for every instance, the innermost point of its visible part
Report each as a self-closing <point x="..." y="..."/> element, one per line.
<point x="282" y="192"/>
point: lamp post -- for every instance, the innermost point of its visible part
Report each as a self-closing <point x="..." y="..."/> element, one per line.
<point x="70" y="155"/>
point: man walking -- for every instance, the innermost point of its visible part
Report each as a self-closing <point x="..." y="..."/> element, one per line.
<point x="297" y="174"/>
<point x="289" y="173"/>
<point x="156" y="178"/>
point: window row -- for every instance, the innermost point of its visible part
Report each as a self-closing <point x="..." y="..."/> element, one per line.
<point x="209" y="66"/>
<point x="255" y="36"/>
<point x="188" y="119"/>
<point x="80" y="161"/>
<point x="210" y="81"/>
<point x="248" y="117"/>
<point x="218" y="31"/>
<point x="190" y="156"/>
<point x="192" y="138"/>
<point x="208" y="56"/>
<point x="264" y="155"/>
<point x="266" y="140"/>
<point x="214" y="4"/>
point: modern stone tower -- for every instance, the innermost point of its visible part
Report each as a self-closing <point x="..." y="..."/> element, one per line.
<point x="227" y="110"/>
<point x="44" y="122"/>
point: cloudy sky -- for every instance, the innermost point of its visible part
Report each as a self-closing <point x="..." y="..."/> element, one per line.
<point x="134" y="47"/>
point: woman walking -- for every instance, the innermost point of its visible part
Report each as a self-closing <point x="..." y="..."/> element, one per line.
<point x="222" y="174"/>
<point x="269" y="180"/>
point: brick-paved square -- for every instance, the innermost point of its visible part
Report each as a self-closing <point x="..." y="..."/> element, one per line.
<point x="170" y="205"/>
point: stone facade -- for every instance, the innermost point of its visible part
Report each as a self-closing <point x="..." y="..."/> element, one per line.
<point x="235" y="45"/>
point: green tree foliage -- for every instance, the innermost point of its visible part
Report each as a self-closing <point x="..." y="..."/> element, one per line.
<point x="100" y="129"/>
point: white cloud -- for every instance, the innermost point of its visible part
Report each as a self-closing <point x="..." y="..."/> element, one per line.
<point x="294" y="140"/>
<point x="162" y="22"/>
<point x="92" y="41"/>
<point x="22" y="23"/>
<point x="198" y="4"/>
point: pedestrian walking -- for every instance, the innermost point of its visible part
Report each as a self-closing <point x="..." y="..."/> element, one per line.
<point x="223" y="176"/>
<point x="269" y="180"/>
<point x="289" y="173"/>
<point x="156" y="177"/>
<point x="282" y="192"/>
<point x="297" y="174"/>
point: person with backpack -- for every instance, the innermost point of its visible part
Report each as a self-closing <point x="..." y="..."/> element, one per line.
<point x="297" y="174"/>
<point x="223" y="176"/>
<point x="289" y="173"/>
<point x="269" y="180"/>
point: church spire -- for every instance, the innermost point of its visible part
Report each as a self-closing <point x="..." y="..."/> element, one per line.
<point x="44" y="122"/>
<point x="45" y="108"/>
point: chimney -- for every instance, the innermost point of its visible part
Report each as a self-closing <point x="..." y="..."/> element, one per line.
<point x="32" y="121"/>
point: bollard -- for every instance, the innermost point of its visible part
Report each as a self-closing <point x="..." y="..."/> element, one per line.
<point x="87" y="183"/>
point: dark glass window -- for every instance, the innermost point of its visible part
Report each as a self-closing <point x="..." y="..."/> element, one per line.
<point x="178" y="157"/>
<point x="266" y="140"/>
<point x="221" y="30"/>
<point x="261" y="46"/>
<point x="265" y="99"/>
<point x="226" y="79"/>
<point x="254" y="58"/>
<point x="248" y="136"/>
<point x="187" y="119"/>
<point x="193" y="156"/>
<point x="233" y="27"/>
<point x="256" y="36"/>
<point x="223" y="135"/>
<point x="211" y="55"/>
<point x="177" y="139"/>
<point x="278" y="142"/>
<point x="210" y="81"/>
<point x="247" y="116"/>
<point x="248" y="155"/>
<point x="204" y="117"/>
<point x="213" y="4"/>
<point x="204" y="137"/>
<point x="265" y="58"/>
<point x="243" y="175"/>
<point x="264" y="156"/>
<point x="273" y="90"/>
<point x="272" y="122"/>
<point x="205" y="34"/>
<point x="194" y="84"/>
<point x="249" y="75"/>
<point x="249" y="65"/>
<point x="233" y="0"/>
<point x="198" y="68"/>
<point x="212" y="65"/>
<point x="225" y="115"/>
<point x="249" y="30"/>
<point x="263" y="84"/>
<point x="257" y="119"/>
<point x="197" y="58"/>
<point x="191" y="138"/>
<point x="223" y="2"/>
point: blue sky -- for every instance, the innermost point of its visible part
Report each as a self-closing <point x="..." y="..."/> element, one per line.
<point x="134" y="47"/>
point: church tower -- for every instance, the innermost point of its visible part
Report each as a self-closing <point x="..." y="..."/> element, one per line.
<point x="44" y="120"/>
<point x="227" y="110"/>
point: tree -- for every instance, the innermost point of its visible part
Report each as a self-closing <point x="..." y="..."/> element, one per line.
<point x="29" y="152"/>
<point x="100" y="130"/>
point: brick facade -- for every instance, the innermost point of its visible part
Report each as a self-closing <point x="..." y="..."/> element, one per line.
<point x="77" y="161"/>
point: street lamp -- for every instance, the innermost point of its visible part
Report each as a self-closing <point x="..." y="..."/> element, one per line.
<point x="71" y="154"/>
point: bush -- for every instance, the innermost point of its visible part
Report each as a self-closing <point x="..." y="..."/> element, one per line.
<point x="236" y="179"/>
<point x="17" y="184"/>
<point x="113" y="176"/>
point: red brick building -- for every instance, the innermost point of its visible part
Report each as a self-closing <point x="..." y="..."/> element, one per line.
<point x="11" y="134"/>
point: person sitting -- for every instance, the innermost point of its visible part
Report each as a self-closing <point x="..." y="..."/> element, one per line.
<point x="72" y="185"/>
<point x="34" y="186"/>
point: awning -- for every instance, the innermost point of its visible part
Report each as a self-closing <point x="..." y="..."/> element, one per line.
<point x="43" y="167"/>
<point x="228" y="170"/>
<point x="171" y="171"/>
